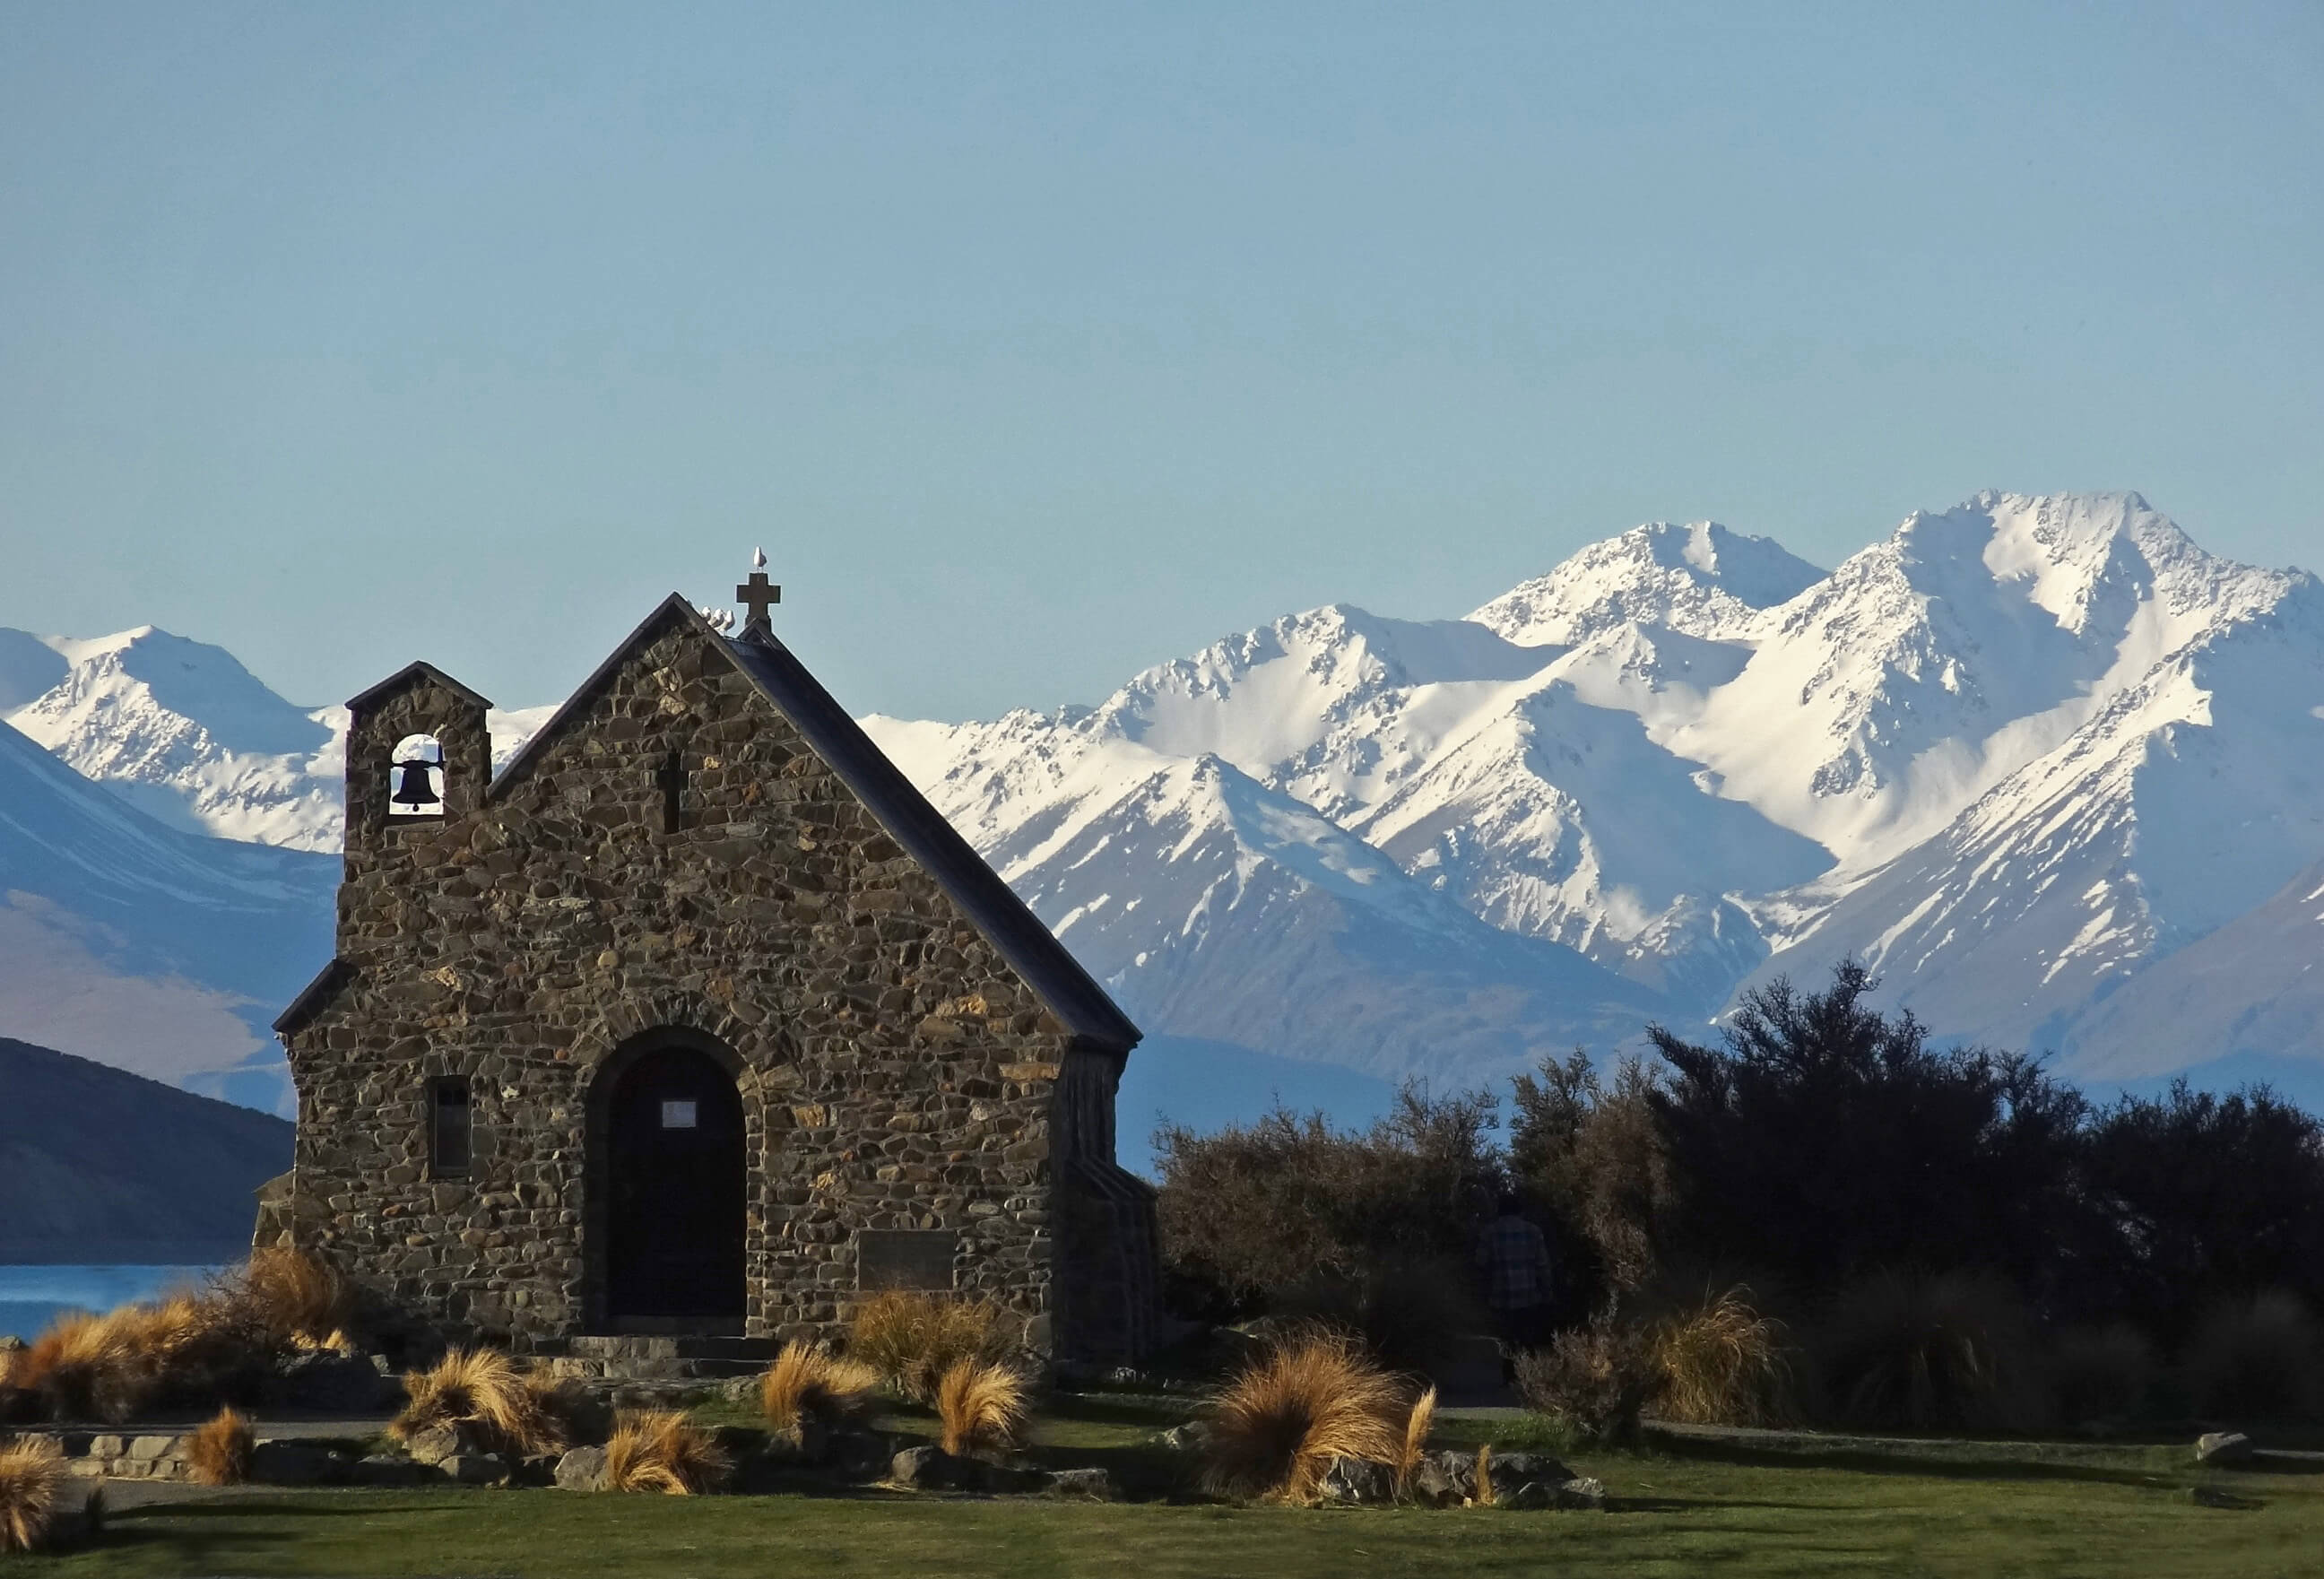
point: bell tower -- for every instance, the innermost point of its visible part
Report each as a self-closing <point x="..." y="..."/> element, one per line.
<point x="419" y="757"/>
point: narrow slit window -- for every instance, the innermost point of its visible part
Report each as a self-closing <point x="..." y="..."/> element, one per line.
<point x="450" y="1131"/>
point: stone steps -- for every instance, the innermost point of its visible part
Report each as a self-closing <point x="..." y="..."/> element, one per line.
<point x="655" y="1357"/>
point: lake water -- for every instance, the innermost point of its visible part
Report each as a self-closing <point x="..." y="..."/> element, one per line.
<point x="32" y="1297"/>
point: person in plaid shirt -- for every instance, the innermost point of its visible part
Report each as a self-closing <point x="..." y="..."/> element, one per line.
<point x="1514" y="1255"/>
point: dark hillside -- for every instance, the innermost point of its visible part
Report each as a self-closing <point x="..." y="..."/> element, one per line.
<point x="98" y="1165"/>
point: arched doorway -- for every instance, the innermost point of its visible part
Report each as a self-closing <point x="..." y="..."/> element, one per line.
<point x="674" y="1178"/>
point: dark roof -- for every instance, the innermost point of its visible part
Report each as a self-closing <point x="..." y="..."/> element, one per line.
<point x="1021" y="937"/>
<point x="357" y="703"/>
<point x="314" y="995"/>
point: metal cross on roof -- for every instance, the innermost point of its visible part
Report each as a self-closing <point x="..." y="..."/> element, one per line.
<point x="757" y="595"/>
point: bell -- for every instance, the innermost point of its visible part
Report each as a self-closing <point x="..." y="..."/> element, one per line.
<point x="413" y="786"/>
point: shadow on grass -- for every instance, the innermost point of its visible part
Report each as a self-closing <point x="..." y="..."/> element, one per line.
<point x="1930" y="1465"/>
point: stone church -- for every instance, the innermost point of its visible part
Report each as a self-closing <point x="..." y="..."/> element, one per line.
<point x="696" y="1019"/>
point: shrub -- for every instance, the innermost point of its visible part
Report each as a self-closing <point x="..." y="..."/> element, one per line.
<point x="32" y="1473"/>
<point x="661" y="1450"/>
<point x="113" y="1365"/>
<point x="483" y="1388"/>
<point x="1416" y="1427"/>
<point x="980" y="1406"/>
<point x="1407" y="1310"/>
<point x="1311" y="1397"/>
<point x="808" y="1383"/>
<point x="1597" y="1380"/>
<point x="2254" y="1358"/>
<point x="2208" y="1197"/>
<point x="1920" y="1351"/>
<point x="288" y="1297"/>
<point x="1593" y="1156"/>
<point x="1253" y="1211"/>
<point x="1722" y="1363"/>
<point x="1824" y="1137"/>
<point x="912" y="1340"/>
<point x="218" y="1453"/>
<point x="2101" y="1373"/>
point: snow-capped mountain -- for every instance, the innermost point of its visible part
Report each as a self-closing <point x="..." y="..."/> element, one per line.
<point x="154" y="950"/>
<point x="184" y="733"/>
<point x="2049" y="766"/>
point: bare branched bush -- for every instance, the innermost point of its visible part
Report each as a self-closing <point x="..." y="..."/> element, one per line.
<point x="1313" y="1396"/>
<point x="911" y="1340"/>
<point x="1597" y="1379"/>
<point x="661" y="1450"/>
<point x="981" y="1407"/>
<point x="1593" y="1155"/>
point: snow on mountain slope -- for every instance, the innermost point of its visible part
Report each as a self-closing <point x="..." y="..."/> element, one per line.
<point x="184" y="733"/>
<point x="1700" y="580"/>
<point x="153" y="950"/>
<point x="1219" y="909"/>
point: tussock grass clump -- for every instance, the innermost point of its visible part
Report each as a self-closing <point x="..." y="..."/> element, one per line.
<point x="483" y="1388"/>
<point x="1722" y="1363"/>
<point x="809" y="1383"/>
<point x="218" y="1453"/>
<point x="2256" y="1359"/>
<point x="1595" y="1380"/>
<point x="289" y="1297"/>
<point x="1917" y="1351"/>
<point x="1483" y="1496"/>
<point x="110" y="1366"/>
<point x="1416" y="1427"/>
<point x="661" y="1450"/>
<point x="981" y="1407"/>
<point x="1314" y="1397"/>
<point x="912" y="1340"/>
<point x="32" y="1473"/>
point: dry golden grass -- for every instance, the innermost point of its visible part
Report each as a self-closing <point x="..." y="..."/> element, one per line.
<point x="483" y="1388"/>
<point x="32" y="1473"/>
<point x="1723" y="1363"/>
<point x="911" y="1340"/>
<point x="1416" y="1427"/>
<point x="981" y="1407"/>
<point x="113" y="1365"/>
<point x="290" y="1297"/>
<point x="1484" y="1495"/>
<point x="661" y="1450"/>
<point x="218" y="1453"/>
<point x="1314" y="1397"/>
<point x="807" y="1382"/>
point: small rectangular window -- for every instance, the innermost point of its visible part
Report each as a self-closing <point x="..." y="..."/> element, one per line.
<point x="678" y="1115"/>
<point x="448" y="1131"/>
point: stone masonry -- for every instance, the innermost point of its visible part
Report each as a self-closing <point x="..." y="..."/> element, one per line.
<point x="895" y="1070"/>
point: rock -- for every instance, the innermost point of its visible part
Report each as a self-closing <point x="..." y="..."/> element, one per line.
<point x="1515" y="1469"/>
<point x="146" y="1449"/>
<point x="859" y="1455"/>
<point x="1363" y="1482"/>
<point x="1190" y="1438"/>
<point x="1582" y="1493"/>
<point x="1525" y="1496"/>
<point x="107" y="1446"/>
<point x="582" y="1470"/>
<point x="387" y="1469"/>
<point x="476" y="1469"/>
<point x="1445" y="1479"/>
<point x="327" y="1383"/>
<point x="536" y="1469"/>
<point x="2224" y="1447"/>
<point x="289" y="1461"/>
<point x="436" y="1444"/>
<point x="1093" y="1483"/>
<point x="932" y="1469"/>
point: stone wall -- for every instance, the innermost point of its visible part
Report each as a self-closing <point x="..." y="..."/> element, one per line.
<point x="895" y="1072"/>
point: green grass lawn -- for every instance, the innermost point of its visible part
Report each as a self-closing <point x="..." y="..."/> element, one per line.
<point x="1683" y="1508"/>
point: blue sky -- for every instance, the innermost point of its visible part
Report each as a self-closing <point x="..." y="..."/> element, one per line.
<point x="1038" y="344"/>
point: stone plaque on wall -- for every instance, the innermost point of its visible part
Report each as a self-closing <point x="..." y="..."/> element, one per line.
<point x="904" y="1258"/>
